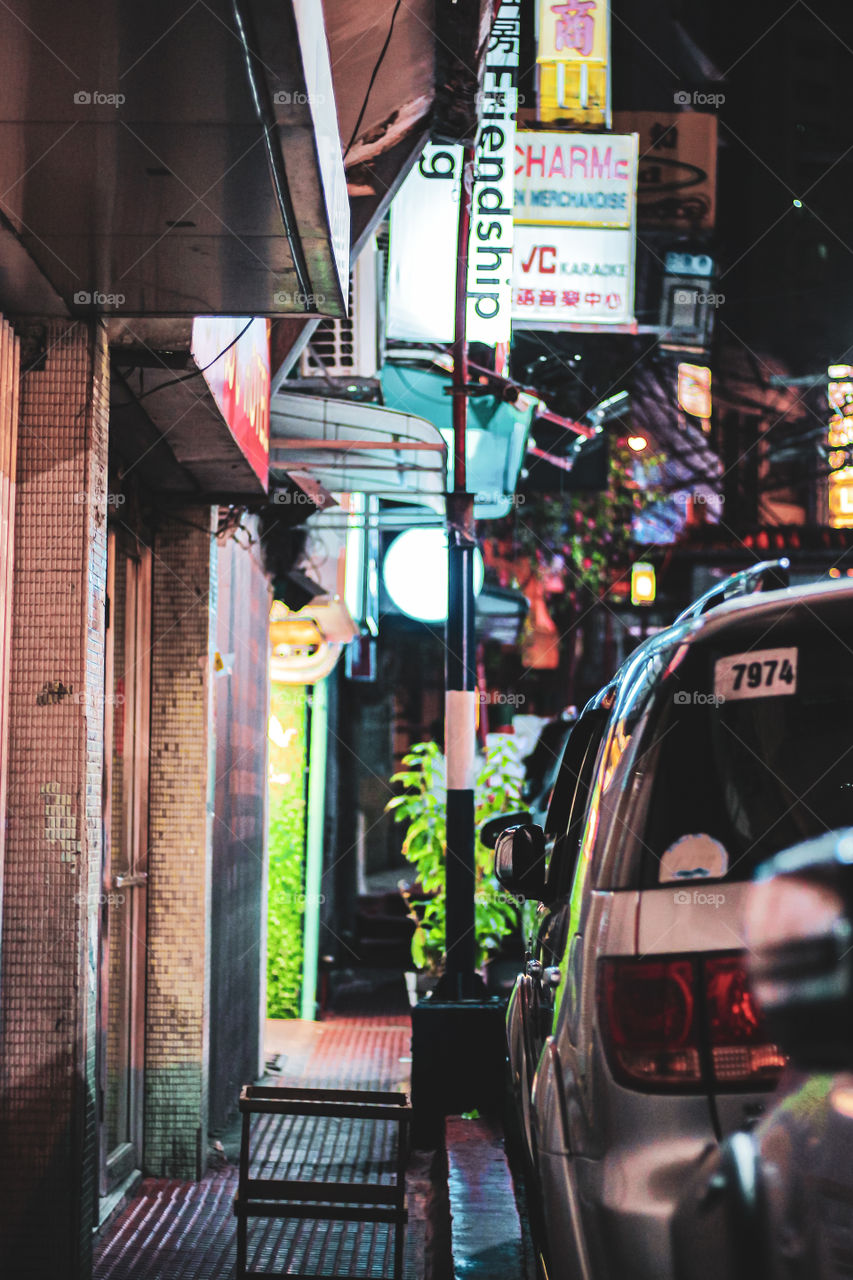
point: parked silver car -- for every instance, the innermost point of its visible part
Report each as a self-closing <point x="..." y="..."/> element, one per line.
<point x="634" y="1042"/>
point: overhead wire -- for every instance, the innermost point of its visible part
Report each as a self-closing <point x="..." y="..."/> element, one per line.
<point x="372" y="80"/>
<point x="188" y="377"/>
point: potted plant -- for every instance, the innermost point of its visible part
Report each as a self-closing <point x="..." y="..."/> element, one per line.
<point x="422" y="807"/>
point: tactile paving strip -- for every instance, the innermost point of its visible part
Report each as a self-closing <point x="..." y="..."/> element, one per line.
<point x="186" y="1231"/>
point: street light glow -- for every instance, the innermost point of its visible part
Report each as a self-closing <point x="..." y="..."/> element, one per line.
<point x="415" y="573"/>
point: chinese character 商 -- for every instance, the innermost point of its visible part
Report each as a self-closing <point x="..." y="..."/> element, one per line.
<point x="575" y="26"/>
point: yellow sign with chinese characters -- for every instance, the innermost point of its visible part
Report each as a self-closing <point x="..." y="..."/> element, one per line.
<point x="573" y="54"/>
<point x="573" y="30"/>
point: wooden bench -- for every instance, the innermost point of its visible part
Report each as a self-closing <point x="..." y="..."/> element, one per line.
<point x="329" y="1201"/>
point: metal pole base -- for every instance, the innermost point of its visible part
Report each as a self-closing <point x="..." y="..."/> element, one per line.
<point x="458" y="1062"/>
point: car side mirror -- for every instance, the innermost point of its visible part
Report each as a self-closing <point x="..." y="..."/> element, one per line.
<point x="490" y="830"/>
<point x="799" y="934"/>
<point x="520" y="861"/>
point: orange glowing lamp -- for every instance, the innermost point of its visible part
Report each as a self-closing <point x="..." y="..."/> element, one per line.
<point x="643" y="583"/>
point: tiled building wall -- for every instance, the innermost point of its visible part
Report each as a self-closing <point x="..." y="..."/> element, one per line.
<point x="239" y="828"/>
<point x="116" y="1012"/>
<point x="55" y="764"/>
<point x="180" y="817"/>
<point x="9" y="381"/>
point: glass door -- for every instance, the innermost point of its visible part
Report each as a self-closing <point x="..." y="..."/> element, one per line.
<point x="121" y="1021"/>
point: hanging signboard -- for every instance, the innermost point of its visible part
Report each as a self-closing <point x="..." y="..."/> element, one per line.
<point x="238" y="375"/>
<point x="583" y="276"/>
<point x="573" y="55"/>
<point x="694" y="391"/>
<point x="575" y="179"/>
<point x="677" y="177"/>
<point x="422" y="249"/>
<point x="425" y="218"/>
<point x="575" y="203"/>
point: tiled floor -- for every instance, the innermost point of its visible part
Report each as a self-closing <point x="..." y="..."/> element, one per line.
<point x="186" y="1231"/>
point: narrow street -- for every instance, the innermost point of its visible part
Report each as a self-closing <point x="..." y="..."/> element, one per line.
<point x="426" y="622"/>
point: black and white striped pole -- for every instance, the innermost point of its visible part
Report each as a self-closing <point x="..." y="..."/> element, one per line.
<point x="460" y="723"/>
<point x="458" y="1036"/>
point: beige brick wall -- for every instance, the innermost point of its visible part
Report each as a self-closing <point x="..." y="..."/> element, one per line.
<point x="9" y="382"/>
<point x="238" y="917"/>
<point x="177" y="1030"/>
<point x="53" y="848"/>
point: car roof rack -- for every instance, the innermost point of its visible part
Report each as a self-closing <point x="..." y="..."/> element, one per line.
<point x="766" y="575"/>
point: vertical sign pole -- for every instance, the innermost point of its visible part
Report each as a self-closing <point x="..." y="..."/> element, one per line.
<point x="318" y="743"/>
<point x="460" y="670"/>
<point x="458" y="1037"/>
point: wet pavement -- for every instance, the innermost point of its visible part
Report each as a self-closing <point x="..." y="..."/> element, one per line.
<point x="486" y="1229"/>
<point x="463" y="1219"/>
<point x="186" y="1231"/>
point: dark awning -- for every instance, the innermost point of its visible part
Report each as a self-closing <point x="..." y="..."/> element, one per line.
<point x="175" y="162"/>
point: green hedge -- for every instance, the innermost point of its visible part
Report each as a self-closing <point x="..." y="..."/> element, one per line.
<point x="286" y="852"/>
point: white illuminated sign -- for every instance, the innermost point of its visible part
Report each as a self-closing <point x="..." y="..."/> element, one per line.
<point x="575" y="210"/>
<point x="415" y="573"/>
<point x="577" y="179"/>
<point x="581" y="276"/>
<point x="425" y="219"/>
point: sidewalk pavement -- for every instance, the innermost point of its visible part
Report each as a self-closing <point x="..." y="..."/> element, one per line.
<point x="461" y="1203"/>
<point x="186" y="1230"/>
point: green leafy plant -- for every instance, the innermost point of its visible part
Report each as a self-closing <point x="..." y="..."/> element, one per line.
<point x="285" y="896"/>
<point x="285" y="910"/>
<point x="422" y="807"/>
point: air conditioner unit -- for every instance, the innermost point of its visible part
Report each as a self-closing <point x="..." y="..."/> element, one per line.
<point x="686" y="310"/>
<point x="349" y="347"/>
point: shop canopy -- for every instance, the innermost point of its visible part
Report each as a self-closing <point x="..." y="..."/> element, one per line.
<point x="225" y="158"/>
<point x="156" y="162"/>
<point x="349" y="447"/>
<point x="496" y="435"/>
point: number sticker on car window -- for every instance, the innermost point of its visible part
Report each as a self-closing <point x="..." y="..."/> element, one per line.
<point x="761" y="673"/>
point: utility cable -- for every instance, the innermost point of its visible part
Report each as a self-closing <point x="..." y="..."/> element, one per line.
<point x="373" y="76"/>
<point x="197" y="372"/>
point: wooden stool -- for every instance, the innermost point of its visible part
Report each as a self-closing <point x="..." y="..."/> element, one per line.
<point x="330" y="1201"/>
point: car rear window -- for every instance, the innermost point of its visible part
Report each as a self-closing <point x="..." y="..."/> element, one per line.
<point x="750" y="745"/>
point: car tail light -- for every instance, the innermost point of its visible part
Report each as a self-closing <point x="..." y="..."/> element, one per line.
<point x="650" y="1010"/>
<point x="686" y="1023"/>
<point x="740" y="1051"/>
